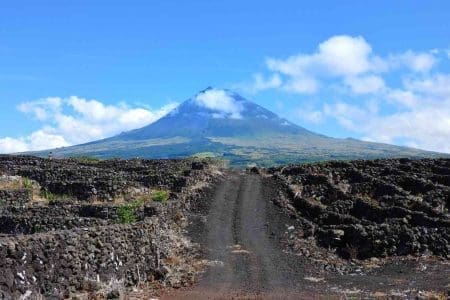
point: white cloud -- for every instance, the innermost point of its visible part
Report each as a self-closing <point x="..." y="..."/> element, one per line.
<point x="38" y="140"/>
<point x="422" y="121"/>
<point x="397" y="98"/>
<point x="345" y="55"/>
<point x="402" y="97"/>
<point x="310" y="116"/>
<point x="435" y="85"/>
<point x="338" y="56"/>
<point x="12" y="145"/>
<point x="342" y="59"/>
<point x="365" y="84"/>
<point x="42" y="108"/>
<point x="74" y="120"/>
<point x="220" y="101"/>
<point x="260" y="83"/>
<point x="347" y="115"/>
<point x="417" y="62"/>
<point x="302" y="85"/>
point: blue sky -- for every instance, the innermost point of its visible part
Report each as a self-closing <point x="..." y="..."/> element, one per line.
<point x="74" y="71"/>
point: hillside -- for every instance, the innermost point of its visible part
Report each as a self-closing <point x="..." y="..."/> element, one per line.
<point x="223" y="124"/>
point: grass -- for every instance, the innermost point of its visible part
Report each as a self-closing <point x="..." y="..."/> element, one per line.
<point x="27" y="183"/>
<point x="126" y="213"/>
<point x="52" y="198"/>
<point x="160" y="196"/>
<point x="205" y="155"/>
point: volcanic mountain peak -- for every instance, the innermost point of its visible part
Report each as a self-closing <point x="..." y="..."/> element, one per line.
<point x="223" y="124"/>
<point x="215" y="112"/>
<point x="222" y="103"/>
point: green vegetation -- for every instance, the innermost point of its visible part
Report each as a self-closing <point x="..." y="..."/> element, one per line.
<point x="53" y="198"/>
<point x="205" y="155"/>
<point x="86" y="159"/>
<point x="160" y="196"/>
<point x="126" y="213"/>
<point x="49" y="195"/>
<point x="27" y="183"/>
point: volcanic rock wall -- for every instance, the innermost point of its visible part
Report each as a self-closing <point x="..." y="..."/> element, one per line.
<point x="54" y="264"/>
<point x="66" y="246"/>
<point x="373" y="208"/>
<point x="107" y="180"/>
<point x="14" y="197"/>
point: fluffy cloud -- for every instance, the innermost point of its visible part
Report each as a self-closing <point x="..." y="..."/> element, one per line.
<point x="365" y="84"/>
<point x="74" y="120"/>
<point x="418" y="62"/>
<point x="396" y="98"/>
<point x="220" y="101"/>
<point x="338" y="56"/>
<point x="42" y="108"/>
<point x="342" y="59"/>
<point x="437" y="85"/>
<point x="38" y="140"/>
<point x="260" y="83"/>
<point x="422" y="119"/>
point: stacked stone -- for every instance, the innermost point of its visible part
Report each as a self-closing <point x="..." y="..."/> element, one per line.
<point x="374" y="208"/>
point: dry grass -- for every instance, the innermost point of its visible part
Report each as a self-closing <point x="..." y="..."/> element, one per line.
<point x="172" y="260"/>
<point x="11" y="182"/>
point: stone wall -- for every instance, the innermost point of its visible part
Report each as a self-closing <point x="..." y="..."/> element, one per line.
<point x="373" y="208"/>
<point x="64" y="261"/>
<point x="15" y="197"/>
<point x="69" y="246"/>
<point x="102" y="180"/>
<point x="35" y="219"/>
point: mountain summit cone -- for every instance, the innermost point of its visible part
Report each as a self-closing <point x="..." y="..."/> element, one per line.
<point x="223" y="124"/>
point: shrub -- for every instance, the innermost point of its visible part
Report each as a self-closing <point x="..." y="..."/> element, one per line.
<point x="160" y="196"/>
<point x="126" y="213"/>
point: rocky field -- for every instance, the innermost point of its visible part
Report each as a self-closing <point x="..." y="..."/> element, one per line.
<point x="377" y="208"/>
<point x="85" y="227"/>
<point x="93" y="229"/>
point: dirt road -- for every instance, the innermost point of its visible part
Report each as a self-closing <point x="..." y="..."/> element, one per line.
<point x="241" y="237"/>
<point x="241" y="242"/>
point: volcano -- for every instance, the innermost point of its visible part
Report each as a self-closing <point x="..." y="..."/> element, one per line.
<point x="222" y="124"/>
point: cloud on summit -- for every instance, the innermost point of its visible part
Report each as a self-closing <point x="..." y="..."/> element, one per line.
<point x="220" y="101"/>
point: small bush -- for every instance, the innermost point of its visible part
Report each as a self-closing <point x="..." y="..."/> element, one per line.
<point x="160" y="196"/>
<point x="126" y="213"/>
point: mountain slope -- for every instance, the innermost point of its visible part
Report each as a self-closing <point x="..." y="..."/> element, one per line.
<point x="199" y="117"/>
<point x="223" y="124"/>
